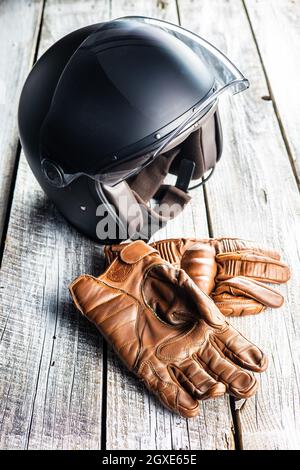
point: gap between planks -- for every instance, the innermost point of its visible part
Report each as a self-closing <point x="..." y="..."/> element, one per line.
<point x="234" y="412"/>
<point x="273" y="99"/>
<point x="19" y="147"/>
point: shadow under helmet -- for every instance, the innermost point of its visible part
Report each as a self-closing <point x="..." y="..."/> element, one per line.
<point x="110" y="109"/>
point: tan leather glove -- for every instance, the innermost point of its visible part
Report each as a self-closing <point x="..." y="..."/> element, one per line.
<point x="232" y="271"/>
<point x="136" y="304"/>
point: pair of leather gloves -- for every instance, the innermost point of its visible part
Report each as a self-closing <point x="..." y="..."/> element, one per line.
<point x="163" y="306"/>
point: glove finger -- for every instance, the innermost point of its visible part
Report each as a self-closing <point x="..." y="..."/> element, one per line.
<point x="170" y="392"/>
<point x="235" y="306"/>
<point x="240" y="383"/>
<point x="197" y="381"/>
<point x="243" y="287"/>
<point x="251" y="264"/>
<point x="241" y="351"/>
<point x="231" y="245"/>
<point x="200" y="264"/>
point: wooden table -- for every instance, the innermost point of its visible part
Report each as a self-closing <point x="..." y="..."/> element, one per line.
<point x="60" y="386"/>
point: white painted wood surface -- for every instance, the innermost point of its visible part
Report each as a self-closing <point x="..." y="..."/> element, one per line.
<point x="19" y="26"/>
<point x="276" y="26"/>
<point x="52" y="370"/>
<point x="134" y="418"/>
<point x="51" y="360"/>
<point x="254" y="195"/>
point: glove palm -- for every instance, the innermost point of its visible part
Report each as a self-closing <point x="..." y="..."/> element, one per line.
<point x="138" y="305"/>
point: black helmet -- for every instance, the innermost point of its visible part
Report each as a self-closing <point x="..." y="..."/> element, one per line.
<point x="110" y="109"/>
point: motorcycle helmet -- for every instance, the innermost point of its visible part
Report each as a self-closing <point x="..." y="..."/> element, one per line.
<point x="110" y="109"/>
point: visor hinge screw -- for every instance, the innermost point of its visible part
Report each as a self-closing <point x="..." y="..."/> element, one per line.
<point x="157" y="136"/>
<point x="83" y="208"/>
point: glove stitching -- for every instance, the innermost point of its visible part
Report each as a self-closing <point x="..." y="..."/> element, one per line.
<point x="207" y="369"/>
<point x="241" y="361"/>
<point x="111" y="315"/>
<point x="230" y="389"/>
<point x="166" y="384"/>
<point x="237" y="392"/>
<point x="196" y="386"/>
<point x="270" y="261"/>
<point x="171" y="341"/>
<point x="241" y="303"/>
<point x="126" y="344"/>
<point x="246" y="294"/>
<point x="217" y="376"/>
<point x="119" y="274"/>
<point x="244" y="305"/>
<point x="180" y="387"/>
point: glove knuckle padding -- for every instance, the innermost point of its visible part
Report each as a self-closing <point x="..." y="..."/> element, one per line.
<point x="199" y="261"/>
<point x="237" y="257"/>
<point x="170" y="250"/>
<point x="212" y="262"/>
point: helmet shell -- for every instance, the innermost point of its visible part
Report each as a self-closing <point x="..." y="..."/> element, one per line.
<point x="98" y="99"/>
<point x="125" y="84"/>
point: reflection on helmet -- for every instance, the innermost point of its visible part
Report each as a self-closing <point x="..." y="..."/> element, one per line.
<point x="109" y="110"/>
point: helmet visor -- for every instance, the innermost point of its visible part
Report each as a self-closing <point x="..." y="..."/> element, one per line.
<point x="223" y="76"/>
<point x="227" y="78"/>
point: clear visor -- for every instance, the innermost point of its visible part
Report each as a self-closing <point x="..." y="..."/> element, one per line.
<point x="226" y="78"/>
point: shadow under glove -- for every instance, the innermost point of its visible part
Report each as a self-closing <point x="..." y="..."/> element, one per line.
<point x="167" y="331"/>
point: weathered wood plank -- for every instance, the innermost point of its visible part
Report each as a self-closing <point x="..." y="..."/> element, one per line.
<point x="276" y="26"/>
<point x="59" y="406"/>
<point x="254" y="195"/>
<point x="50" y="380"/>
<point x="53" y="406"/>
<point x="19" y="26"/>
<point x="76" y="387"/>
<point x="51" y="360"/>
<point x="134" y="418"/>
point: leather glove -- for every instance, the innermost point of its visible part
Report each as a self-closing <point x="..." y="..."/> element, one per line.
<point x="232" y="271"/>
<point x="137" y="303"/>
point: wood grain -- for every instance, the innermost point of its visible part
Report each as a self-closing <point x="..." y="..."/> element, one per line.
<point x="52" y="369"/>
<point x="51" y="360"/>
<point x="19" y="26"/>
<point x="68" y="408"/>
<point x="62" y="401"/>
<point x="135" y="420"/>
<point x="276" y="26"/>
<point x="254" y="195"/>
